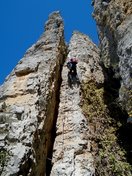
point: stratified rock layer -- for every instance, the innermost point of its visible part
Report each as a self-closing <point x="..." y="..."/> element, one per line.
<point x="72" y="149"/>
<point x="28" y="101"/>
<point x="114" y="20"/>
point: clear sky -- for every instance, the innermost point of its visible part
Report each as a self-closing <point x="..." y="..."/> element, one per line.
<point x="22" y="23"/>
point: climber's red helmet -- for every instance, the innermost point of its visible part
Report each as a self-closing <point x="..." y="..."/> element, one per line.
<point x="73" y="60"/>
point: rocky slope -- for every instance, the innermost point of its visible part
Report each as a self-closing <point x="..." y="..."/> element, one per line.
<point x="114" y="21"/>
<point x="28" y="103"/>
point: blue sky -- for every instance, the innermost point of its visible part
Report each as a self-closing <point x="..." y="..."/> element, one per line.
<point x="22" y="23"/>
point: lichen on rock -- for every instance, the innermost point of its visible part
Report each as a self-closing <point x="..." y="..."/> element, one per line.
<point x="104" y="119"/>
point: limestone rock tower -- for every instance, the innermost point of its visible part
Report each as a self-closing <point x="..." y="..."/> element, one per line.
<point x="55" y="125"/>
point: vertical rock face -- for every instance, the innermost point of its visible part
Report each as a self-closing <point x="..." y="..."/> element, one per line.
<point x="114" y="20"/>
<point x="72" y="148"/>
<point x="28" y="101"/>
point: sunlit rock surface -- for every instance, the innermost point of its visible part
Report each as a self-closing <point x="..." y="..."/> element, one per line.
<point x="72" y="149"/>
<point x="28" y="101"/>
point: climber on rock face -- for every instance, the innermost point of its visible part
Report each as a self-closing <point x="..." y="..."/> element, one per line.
<point x="72" y="74"/>
<point x="71" y="64"/>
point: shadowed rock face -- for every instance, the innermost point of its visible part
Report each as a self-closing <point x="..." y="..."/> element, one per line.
<point x="114" y="21"/>
<point x="28" y="101"/>
<point x="72" y="148"/>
